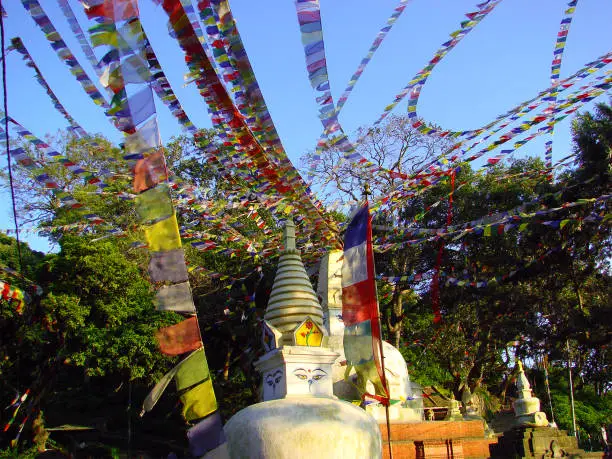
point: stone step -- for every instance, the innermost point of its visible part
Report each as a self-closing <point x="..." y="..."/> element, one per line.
<point x="502" y="422"/>
<point x="537" y="441"/>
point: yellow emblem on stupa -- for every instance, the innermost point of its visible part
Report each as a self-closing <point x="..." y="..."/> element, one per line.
<point x="308" y="333"/>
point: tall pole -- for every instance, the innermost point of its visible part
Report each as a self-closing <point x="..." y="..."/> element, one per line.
<point x="6" y="139"/>
<point x="552" y="413"/>
<point x="569" y="370"/>
<point x="366" y="193"/>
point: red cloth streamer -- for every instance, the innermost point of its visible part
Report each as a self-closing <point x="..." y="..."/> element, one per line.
<point x="180" y="338"/>
<point x="149" y="171"/>
<point x="435" y="282"/>
<point x="113" y="10"/>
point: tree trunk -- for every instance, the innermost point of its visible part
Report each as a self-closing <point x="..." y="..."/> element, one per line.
<point x="397" y="312"/>
<point x="394" y="319"/>
<point x="577" y="288"/>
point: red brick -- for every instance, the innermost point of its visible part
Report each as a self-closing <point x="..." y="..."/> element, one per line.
<point x="477" y="447"/>
<point x="434" y="430"/>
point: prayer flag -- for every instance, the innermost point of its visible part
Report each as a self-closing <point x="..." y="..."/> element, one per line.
<point x="154" y="204"/>
<point x="199" y="401"/>
<point x="362" y="336"/>
<point x="168" y="266"/>
<point x="153" y="397"/>
<point x="193" y="371"/>
<point x="176" y="297"/>
<point x="132" y="70"/>
<point x="206" y="435"/>
<point x="141" y="106"/>
<point x="163" y="235"/>
<point x="194" y="363"/>
<point x="116" y="10"/>
<point x="146" y="138"/>
<point x="149" y="171"/>
<point x="180" y="338"/>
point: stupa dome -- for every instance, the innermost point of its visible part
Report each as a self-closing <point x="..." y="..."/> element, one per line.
<point x="292" y="299"/>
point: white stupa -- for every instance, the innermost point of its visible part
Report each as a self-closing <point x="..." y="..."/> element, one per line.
<point x="299" y="415"/>
<point x="526" y="406"/>
<point x="410" y="406"/>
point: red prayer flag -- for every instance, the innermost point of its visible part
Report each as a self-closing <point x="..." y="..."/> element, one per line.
<point x="149" y="171"/>
<point x="115" y="10"/>
<point x="180" y="338"/>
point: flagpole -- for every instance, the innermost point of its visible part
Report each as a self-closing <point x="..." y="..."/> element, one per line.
<point x="366" y="193"/>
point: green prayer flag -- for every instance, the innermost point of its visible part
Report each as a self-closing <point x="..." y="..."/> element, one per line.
<point x="154" y="204"/>
<point x="189" y="364"/>
<point x="193" y="371"/>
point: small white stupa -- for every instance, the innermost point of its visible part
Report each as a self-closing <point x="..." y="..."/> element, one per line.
<point x="526" y="406"/>
<point x="299" y="415"/>
<point x="409" y="403"/>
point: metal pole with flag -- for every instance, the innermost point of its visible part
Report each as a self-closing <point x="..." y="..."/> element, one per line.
<point x="362" y="331"/>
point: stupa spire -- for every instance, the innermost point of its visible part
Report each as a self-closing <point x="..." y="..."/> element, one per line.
<point x="292" y="299"/>
<point x="289" y="236"/>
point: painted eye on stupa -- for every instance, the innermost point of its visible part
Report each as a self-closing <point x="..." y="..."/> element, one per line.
<point x="301" y="374"/>
<point x="318" y="374"/>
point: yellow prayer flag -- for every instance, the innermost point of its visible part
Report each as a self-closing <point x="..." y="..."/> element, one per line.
<point x="105" y="38"/>
<point x="199" y="401"/>
<point x="164" y="235"/>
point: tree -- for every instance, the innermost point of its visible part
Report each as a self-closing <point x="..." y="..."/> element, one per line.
<point x="391" y="153"/>
<point x="394" y="151"/>
<point x="559" y="281"/>
<point x="38" y="202"/>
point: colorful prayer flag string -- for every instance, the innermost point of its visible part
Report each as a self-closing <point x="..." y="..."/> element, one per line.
<point x="18" y="45"/>
<point x="555" y="70"/>
<point x="61" y="48"/>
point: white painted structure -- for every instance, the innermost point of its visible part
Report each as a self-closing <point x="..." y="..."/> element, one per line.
<point x="299" y="416"/>
<point x="526" y="406"/>
<point x="329" y="291"/>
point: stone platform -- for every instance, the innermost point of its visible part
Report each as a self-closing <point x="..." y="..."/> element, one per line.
<point x="437" y="439"/>
<point x="528" y="442"/>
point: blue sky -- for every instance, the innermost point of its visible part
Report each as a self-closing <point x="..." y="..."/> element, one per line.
<point x="502" y="62"/>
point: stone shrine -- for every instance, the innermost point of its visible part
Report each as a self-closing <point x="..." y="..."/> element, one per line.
<point x="526" y="406"/>
<point x="532" y="436"/>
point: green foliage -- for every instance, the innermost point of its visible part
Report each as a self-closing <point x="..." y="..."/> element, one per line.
<point x="592" y="136"/>
<point x="559" y="284"/>
<point x="102" y="304"/>
<point x="12" y="453"/>
<point x="9" y="257"/>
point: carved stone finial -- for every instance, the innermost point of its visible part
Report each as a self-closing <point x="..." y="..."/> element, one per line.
<point x="289" y="236"/>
